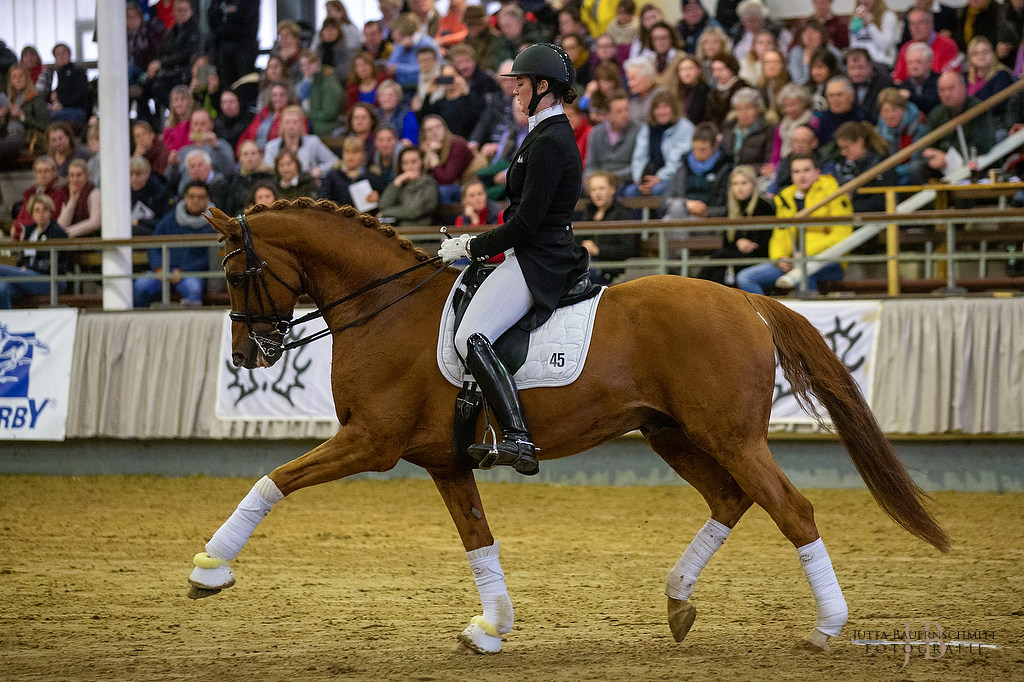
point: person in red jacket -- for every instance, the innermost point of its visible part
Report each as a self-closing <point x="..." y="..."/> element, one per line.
<point x="477" y="208"/>
<point x="266" y="124"/>
<point x="580" y="127"/>
<point x="447" y="156"/>
<point x="921" y="25"/>
<point x="46" y="181"/>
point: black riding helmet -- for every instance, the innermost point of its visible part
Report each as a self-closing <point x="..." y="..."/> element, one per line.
<point x="544" y="61"/>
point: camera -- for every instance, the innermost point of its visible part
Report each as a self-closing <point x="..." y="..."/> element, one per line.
<point x="444" y="80"/>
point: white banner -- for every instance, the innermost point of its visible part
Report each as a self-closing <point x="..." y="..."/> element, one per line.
<point x="298" y="386"/>
<point x="850" y="329"/>
<point x="36" y="347"/>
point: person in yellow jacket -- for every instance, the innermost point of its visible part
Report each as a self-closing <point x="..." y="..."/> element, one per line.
<point x="809" y="188"/>
<point x="597" y="14"/>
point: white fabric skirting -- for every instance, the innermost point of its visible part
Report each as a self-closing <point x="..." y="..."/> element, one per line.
<point x="951" y="365"/>
<point x="946" y="365"/>
<point x="154" y="375"/>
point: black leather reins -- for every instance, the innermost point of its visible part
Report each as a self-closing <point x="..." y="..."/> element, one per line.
<point x="279" y="322"/>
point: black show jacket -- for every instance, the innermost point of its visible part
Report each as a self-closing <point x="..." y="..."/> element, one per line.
<point x="542" y="186"/>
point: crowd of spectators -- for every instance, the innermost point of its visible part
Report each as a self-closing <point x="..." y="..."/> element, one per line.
<point x="406" y="114"/>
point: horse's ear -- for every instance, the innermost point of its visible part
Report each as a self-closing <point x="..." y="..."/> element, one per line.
<point x="223" y="223"/>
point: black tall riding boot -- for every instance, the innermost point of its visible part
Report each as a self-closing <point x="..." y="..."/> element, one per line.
<point x="516" y="446"/>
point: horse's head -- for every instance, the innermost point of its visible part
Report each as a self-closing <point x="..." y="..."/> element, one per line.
<point x="263" y="285"/>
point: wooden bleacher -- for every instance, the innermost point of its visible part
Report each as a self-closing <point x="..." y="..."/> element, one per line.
<point x="1003" y="235"/>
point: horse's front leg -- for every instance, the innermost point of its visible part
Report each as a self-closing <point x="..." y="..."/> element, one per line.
<point x="347" y="452"/>
<point x="460" y="494"/>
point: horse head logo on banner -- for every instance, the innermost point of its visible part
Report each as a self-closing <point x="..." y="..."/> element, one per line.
<point x="16" y="353"/>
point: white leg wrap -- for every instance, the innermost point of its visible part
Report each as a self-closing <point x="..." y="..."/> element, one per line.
<point x="684" y="574"/>
<point x="832" y="612"/>
<point x="229" y="539"/>
<point x="490" y="582"/>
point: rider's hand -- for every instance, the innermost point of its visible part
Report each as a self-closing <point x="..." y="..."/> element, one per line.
<point x="453" y="249"/>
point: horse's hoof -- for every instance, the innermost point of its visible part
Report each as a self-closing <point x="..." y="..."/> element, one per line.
<point x="816" y="642"/>
<point x="681" y="615"/>
<point x="462" y="648"/>
<point x="476" y="640"/>
<point x="197" y="592"/>
<point x="207" y="582"/>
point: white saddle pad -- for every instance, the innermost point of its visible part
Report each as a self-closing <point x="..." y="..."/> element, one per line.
<point x="557" y="352"/>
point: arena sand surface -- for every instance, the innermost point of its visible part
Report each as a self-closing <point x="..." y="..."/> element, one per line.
<point x="366" y="580"/>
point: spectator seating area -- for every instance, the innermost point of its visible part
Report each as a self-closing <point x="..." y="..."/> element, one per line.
<point x="708" y="116"/>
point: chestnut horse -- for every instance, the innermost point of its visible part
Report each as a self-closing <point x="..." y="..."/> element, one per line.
<point x="688" y="363"/>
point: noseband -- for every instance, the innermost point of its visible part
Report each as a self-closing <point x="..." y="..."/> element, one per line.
<point x="253" y="279"/>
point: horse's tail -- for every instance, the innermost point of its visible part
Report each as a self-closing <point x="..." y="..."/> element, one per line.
<point x="811" y="367"/>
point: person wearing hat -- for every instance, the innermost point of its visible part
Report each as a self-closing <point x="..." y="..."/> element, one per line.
<point x="480" y="36"/>
<point x="542" y="260"/>
<point x="514" y="32"/>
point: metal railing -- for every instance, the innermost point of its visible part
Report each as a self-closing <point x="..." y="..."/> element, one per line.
<point x="680" y="247"/>
<point x="798" y="275"/>
<point x="683" y="247"/>
<point x="89" y="245"/>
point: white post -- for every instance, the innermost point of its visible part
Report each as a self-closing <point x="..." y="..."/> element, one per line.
<point x="114" y="187"/>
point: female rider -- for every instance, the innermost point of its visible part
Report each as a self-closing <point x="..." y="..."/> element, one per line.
<point x="542" y="261"/>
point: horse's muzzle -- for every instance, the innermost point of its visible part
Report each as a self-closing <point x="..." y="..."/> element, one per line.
<point x="253" y="357"/>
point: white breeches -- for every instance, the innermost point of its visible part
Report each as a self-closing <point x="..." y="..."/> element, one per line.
<point x="501" y="301"/>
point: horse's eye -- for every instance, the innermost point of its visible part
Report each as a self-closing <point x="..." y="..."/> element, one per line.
<point x="236" y="280"/>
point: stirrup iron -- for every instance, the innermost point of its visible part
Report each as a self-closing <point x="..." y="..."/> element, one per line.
<point x="490" y="459"/>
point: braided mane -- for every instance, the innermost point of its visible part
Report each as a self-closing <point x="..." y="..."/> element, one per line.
<point x="346" y="211"/>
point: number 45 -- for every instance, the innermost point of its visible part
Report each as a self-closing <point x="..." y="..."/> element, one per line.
<point x="557" y="360"/>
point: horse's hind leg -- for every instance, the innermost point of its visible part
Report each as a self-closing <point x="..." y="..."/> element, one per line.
<point x="460" y="494"/>
<point x="756" y="471"/>
<point x="727" y="501"/>
<point x="347" y="452"/>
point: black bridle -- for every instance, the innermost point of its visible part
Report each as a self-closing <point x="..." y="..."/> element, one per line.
<point x="281" y="323"/>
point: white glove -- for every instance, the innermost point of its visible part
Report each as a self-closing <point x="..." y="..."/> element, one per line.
<point x="453" y="249"/>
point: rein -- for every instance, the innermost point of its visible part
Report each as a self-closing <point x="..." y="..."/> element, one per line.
<point x="282" y="324"/>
